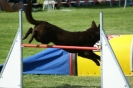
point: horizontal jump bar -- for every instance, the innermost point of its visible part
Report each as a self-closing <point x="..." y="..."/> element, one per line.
<point x="59" y="46"/>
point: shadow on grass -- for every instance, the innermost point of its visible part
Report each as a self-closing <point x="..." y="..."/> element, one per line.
<point x="72" y="86"/>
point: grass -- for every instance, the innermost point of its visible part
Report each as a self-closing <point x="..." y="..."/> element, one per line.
<point x="56" y="81"/>
<point x="116" y="21"/>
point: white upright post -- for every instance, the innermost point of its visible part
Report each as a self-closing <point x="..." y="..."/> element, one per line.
<point x="112" y="75"/>
<point x="11" y="74"/>
<point x="131" y="56"/>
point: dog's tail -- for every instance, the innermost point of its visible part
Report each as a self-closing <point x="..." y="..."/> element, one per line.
<point x="28" y="14"/>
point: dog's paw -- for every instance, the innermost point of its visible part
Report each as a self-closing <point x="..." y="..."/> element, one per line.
<point x="97" y="62"/>
<point x="24" y="37"/>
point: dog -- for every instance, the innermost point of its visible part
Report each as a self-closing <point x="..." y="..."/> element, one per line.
<point x="45" y="33"/>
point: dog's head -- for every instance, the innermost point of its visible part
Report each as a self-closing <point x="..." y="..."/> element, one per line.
<point x="94" y="31"/>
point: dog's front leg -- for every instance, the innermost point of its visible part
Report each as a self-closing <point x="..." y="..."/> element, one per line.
<point x="91" y="55"/>
<point x="95" y="58"/>
<point x="28" y="32"/>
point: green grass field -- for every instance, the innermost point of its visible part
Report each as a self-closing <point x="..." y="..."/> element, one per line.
<point x="116" y="21"/>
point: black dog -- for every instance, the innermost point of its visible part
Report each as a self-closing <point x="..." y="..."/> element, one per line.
<point x="45" y="33"/>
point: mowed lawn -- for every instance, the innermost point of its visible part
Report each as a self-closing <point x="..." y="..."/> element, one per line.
<point x="117" y="20"/>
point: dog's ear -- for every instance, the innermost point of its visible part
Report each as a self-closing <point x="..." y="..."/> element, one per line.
<point x="93" y="25"/>
<point x="99" y="26"/>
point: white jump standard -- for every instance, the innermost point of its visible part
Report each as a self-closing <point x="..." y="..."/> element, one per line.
<point x="112" y="75"/>
<point x="11" y="74"/>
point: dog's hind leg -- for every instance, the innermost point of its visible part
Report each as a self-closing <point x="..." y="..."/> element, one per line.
<point x="33" y="35"/>
<point x="28" y="32"/>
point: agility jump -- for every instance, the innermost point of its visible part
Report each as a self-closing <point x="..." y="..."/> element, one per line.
<point x="111" y="75"/>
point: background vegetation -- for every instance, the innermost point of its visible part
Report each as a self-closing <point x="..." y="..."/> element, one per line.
<point x="117" y="20"/>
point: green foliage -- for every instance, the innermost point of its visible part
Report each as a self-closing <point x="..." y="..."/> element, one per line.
<point x="117" y="20"/>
